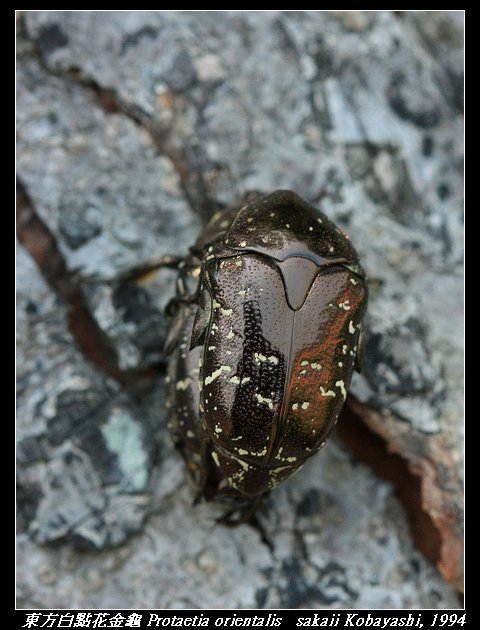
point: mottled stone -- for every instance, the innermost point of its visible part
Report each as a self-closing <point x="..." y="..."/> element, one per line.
<point x="130" y="126"/>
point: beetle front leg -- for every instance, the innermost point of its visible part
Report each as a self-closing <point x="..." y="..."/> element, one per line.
<point x="141" y="273"/>
<point x="144" y="271"/>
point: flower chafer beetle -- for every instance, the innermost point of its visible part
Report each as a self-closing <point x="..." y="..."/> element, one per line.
<point x="265" y="335"/>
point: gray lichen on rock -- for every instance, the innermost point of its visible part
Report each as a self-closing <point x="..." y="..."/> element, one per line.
<point x="132" y="127"/>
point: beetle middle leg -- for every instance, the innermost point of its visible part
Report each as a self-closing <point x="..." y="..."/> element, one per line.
<point x="206" y="482"/>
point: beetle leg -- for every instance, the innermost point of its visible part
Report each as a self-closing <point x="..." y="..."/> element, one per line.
<point x="207" y="482"/>
<point x="176" y="301"/>
<point x="141" y="273"/>
<point x="245" y="514"/>
<point x="145" y="271"/>
<point x="182" y="296"/>
<point x="198" y="467"/>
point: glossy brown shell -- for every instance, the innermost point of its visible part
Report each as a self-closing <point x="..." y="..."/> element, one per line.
<point x="276" y="334"/>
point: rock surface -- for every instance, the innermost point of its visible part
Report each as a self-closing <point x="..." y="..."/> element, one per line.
<point x="133" y="127"/>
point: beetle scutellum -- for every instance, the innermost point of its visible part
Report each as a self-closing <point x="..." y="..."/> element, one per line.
<point x="263" y="343"/>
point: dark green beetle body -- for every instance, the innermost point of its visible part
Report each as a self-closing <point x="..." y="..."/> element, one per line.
<point x="263" y="344"/>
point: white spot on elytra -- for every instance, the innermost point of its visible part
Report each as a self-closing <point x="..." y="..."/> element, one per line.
<point x="305" y="405"/>
<point x="249" y="219"/>
<point x="316" y="366"/>
<point x="266" y="401"/>
<point x="327" y="393"/>
<point x="291" y="459"/>
<point x="341" y="385"/>
<point x="216" y="373"/>
<point x="235" y="380"/>
<point x="319" y="220"/>
<point x="345" y="305"/>
<point x="245" y="379"/>
<point x="242" y="243"/>
<point x="351" y="327"/>
<point x="218" y="428"/>
<point x="211" y="347"/>
<point x="287" y="225"/>
<point x="344" y="349"/>
<point x="231" y="334"/>
<point x="303" y="363"/>
<point x="261" y="358"/>
<point x="353" y="281"/>
<point x="278" y="470"/>
<point x="242" y="451"/>
<point x="310" y="229"/>
<point x="182" y="385"/>
<point x="242" y="292"/>
<point x="190" y="434"/>
<point x="215" y="459"/>
<point x="340" y="364"/>
<point x="226" y="311"/>
<point x="331" y="249"/>
<point x="295" y="406"/>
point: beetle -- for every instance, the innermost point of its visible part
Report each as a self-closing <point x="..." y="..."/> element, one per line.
<point x="265" y="333"/>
